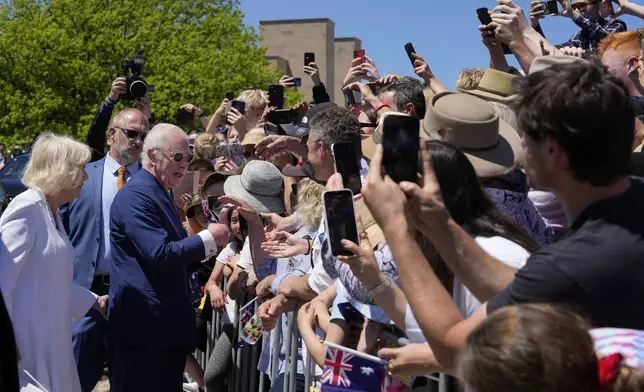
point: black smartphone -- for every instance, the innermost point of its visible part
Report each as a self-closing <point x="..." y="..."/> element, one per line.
<point x="347" y="163"/>
<point x="309" y="58"/>
<point x="276" y="96"/>
<point x="340" y="218"/>
<point x="486" y="19"/>
<point x="183" y="117"/>
<point x="298" y="82"/>
<point x="400" y="147"/>
<point x="375" y="88"/>
<point x="350" y="97"/>
<point x="409" y="48"/>
<point x="214" y="205"/>
<point x="230" y="96"/>
<point x="552" y="7"/>
<point x="240" y="106"/>
<point x="281" y="116"/>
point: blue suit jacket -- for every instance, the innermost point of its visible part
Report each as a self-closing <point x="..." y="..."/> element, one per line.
<point x="149" y="292"/>
<point x="83" y="221"/>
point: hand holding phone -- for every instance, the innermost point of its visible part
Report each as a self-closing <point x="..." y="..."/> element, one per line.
<point x="230" y="96"/>
<point x="347" y="163"/>
<point x="309" y="58"/>
<point x="240" y="106"/>
<point x="359" y="54"/>
<point x="485" y="19"/>
<point x="276" y="96"/>
<point x="409" y="48"/>
<point x="339" y="215"/>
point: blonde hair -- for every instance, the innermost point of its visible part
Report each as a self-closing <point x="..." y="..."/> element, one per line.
<point x="206" y="146"/>
<point x="255" y="99"/>
<point x="469" y="79"/>
<point x="57" y="163"/>
<point x="309" y="203"/>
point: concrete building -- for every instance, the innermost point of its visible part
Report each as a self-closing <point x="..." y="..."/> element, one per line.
<point x="286" y="41"/>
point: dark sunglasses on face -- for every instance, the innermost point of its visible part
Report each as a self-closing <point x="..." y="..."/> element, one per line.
<point x="133" y="133"/>
<point x="581" y="7"/>
<point x="180" y="156"/>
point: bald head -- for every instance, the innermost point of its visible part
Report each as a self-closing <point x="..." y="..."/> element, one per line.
<point x="126" y="116"/>
<point x="126" y="134"/>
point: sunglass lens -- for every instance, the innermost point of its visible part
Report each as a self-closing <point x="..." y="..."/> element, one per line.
<point x="177" y="157"/>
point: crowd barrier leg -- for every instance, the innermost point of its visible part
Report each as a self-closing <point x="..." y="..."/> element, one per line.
<point x="275" y="349"/>
<point x="293" y="356"/>
<point x="287" y="375"/>
<point x="308" y="371"/>
<point x="254" y="359"/>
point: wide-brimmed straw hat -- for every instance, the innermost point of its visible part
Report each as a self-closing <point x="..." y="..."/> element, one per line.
<point x="492" y="145"/>
<point x="259" y="185"/>
<point x="494" y="86"/>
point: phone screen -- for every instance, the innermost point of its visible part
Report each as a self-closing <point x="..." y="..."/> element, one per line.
<point x="276" y="96"/>
<point x="309" y="58"/>
<point x="359" y="54"/>
<point x="340" y="220"/>
<point x="240" y="106"/>
<point x="183" y="117"/>
<point x="400" y="145"/>
<point x="409" y="48"/>
<point x="348" y="165"/>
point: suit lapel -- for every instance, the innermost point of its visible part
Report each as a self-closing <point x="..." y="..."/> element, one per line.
<point x="168" y="203"/>
<point x="95" y="174"/>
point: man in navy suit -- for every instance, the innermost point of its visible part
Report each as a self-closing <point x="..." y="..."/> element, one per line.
<point x="151" y="320"/>
<point x="86" y="220"/>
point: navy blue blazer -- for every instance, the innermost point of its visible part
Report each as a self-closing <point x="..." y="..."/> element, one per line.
<point x="83" y="221"/>
<point x="149" y="302"/>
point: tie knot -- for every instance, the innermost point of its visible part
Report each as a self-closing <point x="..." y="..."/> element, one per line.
<point x="121" y="171"/>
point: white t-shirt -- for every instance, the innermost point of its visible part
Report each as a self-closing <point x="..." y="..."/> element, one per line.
<point x="500" y="248"/>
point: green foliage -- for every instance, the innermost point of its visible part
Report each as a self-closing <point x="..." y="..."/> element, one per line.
<point x="58" y="58"/>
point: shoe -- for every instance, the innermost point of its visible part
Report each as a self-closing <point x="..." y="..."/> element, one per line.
<point x="191" y="387"/>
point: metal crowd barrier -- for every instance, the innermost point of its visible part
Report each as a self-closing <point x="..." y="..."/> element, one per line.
<point x="244" y="376"/>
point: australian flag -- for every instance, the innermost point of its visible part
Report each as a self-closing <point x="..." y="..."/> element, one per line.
<point x="344" y="371"/>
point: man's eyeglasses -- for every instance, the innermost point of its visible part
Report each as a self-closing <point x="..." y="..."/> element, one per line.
<point x="181" y="156"/>
<point x="581" y="7"/>
<point x="133" y="133"/>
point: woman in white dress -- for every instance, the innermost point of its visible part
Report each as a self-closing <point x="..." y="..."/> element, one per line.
<point x="37" y="261"/>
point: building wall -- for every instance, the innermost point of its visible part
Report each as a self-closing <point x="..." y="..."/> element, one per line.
<point x="344" y="48"/>
<point x="290" y="39"/>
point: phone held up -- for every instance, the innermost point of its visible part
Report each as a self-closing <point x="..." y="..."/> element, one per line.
<point x="276" y="96"/>
<point x="486" y="19"/>
<point x="230" y="95"/>
<point x="183" y="117"/>
<point x="409" y="48"/>
<point x="240" y="106"/>
<point x="400" y="147"/>
<point x="359" y="54"/>
<point x="281" y="116"/>
<point x="347" y="163"/>
<point x="309" y="58"/>
<point x="339" y="215"/>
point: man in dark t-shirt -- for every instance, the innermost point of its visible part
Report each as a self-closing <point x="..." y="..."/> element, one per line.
<point x="577" y="123"/>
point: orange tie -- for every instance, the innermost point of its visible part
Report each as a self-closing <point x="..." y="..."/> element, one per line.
<point x="121" y="179"/>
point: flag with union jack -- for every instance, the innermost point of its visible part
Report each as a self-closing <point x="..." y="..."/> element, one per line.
<point x="344" y="371"/>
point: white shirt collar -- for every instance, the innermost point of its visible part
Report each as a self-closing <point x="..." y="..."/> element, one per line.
<point x="113" y="166"/>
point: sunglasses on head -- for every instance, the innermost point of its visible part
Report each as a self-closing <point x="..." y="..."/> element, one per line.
<point x="581" y="7"/>
<point x="133" y="133"/>
<point x="180" y="156"/>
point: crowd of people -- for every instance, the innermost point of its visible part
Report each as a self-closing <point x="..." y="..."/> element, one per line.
<point x="510" y="263"/>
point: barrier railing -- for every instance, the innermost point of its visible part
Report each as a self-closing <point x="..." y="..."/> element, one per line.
<point x="244" y="375"/>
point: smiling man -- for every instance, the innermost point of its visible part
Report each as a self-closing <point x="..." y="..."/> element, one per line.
<point x="151" y="321"/>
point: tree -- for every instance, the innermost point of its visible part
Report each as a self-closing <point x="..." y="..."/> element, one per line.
<point x="58" y="58"/>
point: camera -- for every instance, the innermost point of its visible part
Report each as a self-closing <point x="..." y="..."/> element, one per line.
<point x="136" y="86"/>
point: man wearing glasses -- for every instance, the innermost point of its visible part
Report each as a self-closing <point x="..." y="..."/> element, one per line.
<point x="87" y="221"/>
<point x="586" y="14"/>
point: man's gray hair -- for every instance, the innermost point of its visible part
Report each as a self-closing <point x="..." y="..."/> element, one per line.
<point x="334" y="125"/>
<point x="157" y="139"/>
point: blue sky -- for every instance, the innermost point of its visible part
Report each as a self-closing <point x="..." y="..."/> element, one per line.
<point x="445" y="32"/>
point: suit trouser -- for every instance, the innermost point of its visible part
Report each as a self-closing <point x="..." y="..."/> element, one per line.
<point x="136" y="369"/>
<point x="88" y="342"/>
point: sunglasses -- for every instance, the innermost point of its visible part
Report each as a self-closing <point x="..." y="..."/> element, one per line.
<point x="133" y="133"/>
<point x="581" y="7"/>
<point x="181" y="156"/>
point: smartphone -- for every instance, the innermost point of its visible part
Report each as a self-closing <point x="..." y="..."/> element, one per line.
<point x="347" y="163"/>
<point x="183" y="117"/>
<point x="359" y="54"/>
<point x="375" y="88"/>
<point x="551" y="7"/>
<point x="486" y="19"/>
<point x="281" y="116"/>
<point x="240" y="106"/>
<point x="350" y="97"/>
<point x="400" y="147"/>
<point x="276" y="96"/>
<point x="298" y="82"/>
<point x="309" y="58"/>
<point x="340" y="218"/>
<point x="230" y="96"/>
<point x="409" y="48"/>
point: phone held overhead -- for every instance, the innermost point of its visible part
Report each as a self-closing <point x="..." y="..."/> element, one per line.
<point x="485" y="19"/>
<point x="347" y="163"/>
<point x="339" y="216"/>
<point x="400" y="143"/>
